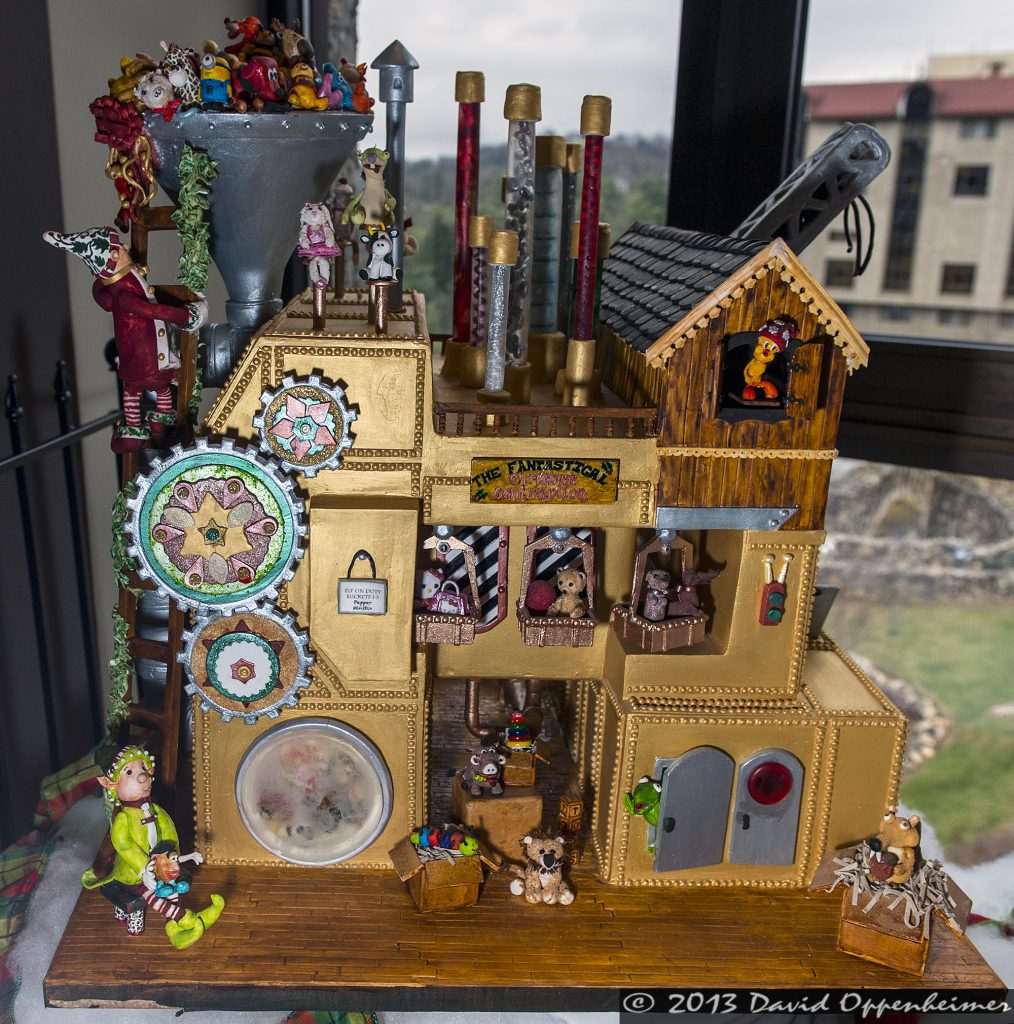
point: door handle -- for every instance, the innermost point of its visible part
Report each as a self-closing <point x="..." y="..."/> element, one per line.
<point x="668" y="824"/>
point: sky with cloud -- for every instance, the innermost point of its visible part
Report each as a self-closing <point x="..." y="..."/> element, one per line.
<point x="626" y="49"/>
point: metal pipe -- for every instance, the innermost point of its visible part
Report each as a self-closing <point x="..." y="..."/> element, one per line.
<point x="396" y="66"/>
<point x="14" y="412"/>
<point x="61" y="395"/>
<point x="483" y="733"/>
<point x="22" y="458"/>
<point x="533" y="705"/>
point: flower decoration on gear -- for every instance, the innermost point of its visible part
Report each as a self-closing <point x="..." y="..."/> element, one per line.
<point x="215" y="526"/>
<point x="306" y="424"/>
<point x="247" y="665"/>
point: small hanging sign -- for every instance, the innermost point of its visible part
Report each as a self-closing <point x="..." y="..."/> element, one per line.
<point x="362" y="596"/>
<point x="544" y="481"/>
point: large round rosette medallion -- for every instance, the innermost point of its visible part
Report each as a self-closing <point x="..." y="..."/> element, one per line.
<point x="246" y="665"/>
<point x="306" y="424"/>
<point x="215" y="526"/>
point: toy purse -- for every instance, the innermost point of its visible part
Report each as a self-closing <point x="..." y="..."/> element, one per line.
<point x="444" y="602"/>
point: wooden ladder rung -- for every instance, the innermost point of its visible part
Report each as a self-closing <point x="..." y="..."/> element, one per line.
<point x="153" y="650"/>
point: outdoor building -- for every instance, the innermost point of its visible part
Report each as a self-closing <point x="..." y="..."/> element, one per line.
<point x="943" y="262"/>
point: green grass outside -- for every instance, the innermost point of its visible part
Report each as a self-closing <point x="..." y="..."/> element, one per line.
<point x="963" y="657"/>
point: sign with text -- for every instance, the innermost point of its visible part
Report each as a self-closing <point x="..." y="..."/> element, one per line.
<point x="362" y="596"/>
<point x="544" y="481"/>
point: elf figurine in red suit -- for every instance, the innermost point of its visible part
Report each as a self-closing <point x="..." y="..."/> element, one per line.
<point x="147" y="361"/>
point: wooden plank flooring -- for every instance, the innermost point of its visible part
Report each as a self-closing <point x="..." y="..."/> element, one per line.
<point x="333" y="939"/>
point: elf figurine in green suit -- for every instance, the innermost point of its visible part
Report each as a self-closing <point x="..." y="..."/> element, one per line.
<point x="147" y="860"/>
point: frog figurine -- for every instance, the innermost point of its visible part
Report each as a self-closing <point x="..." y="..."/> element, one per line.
<point x="644" y="801"/>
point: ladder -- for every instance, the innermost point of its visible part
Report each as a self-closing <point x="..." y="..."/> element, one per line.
<point x="165" y="720"/>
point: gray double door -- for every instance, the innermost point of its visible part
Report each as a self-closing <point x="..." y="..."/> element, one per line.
<point x="706" y="798"/>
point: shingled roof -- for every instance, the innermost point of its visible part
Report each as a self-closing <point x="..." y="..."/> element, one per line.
<point x="661" y="285"/>
<point x="655" y="275"/>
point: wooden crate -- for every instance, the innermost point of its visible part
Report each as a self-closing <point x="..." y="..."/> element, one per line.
<point x="431" y="628"/>
<point x="882" y="937"/>
<point x="498" y="821"/>
<point x="442" y="884"/>
<point x="521" y="766"/>
<point x="657" y="637"/>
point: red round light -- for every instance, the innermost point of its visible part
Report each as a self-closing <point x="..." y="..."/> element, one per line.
<point x="769" y="783"/>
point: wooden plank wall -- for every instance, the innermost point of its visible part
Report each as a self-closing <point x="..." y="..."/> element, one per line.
<point x="626" y="372"/>
<point x="690" y="399"/>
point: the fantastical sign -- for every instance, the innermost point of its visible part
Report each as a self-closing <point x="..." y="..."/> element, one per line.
<point x="544" y="481"/>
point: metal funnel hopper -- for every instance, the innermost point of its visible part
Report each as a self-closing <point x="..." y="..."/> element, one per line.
<point x="269" y="164"/>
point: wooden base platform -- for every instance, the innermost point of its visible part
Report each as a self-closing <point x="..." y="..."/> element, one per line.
<point x="342" y="940"/>
<point x="293" y="938"/>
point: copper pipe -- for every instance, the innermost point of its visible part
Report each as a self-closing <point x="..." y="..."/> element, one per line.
<point x="484" y="733"/>
<point x="533" y="705"/>
<point x="319" y="307"/>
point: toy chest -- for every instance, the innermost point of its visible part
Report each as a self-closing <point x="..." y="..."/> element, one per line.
<point x="442" y="884"/>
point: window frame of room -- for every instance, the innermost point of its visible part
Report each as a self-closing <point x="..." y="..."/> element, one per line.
<point x="956" y="415"/>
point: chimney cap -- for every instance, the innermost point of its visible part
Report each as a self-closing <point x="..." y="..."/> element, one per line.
<point x="396" y="55"/>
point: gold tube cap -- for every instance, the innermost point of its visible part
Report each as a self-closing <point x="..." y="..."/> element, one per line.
<point x="596" y="114"/>
<point x="575" y="157"/>
<point x="479" y="230"/>
<point x="523" y="103"/>
<point x="605" y="240"/>
<point x="550" y="151"/>
<point x="469" y="87"/>
<point x="503" y="248"/>
<point x="575" y="239"/>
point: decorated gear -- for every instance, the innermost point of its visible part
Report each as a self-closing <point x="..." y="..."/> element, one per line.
<point x="248" y="665"/>
<point x="215" y="526"/>
<point x="306" y="424"/>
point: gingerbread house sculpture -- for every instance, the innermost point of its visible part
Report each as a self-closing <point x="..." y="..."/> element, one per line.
<point x="769" y="747"/>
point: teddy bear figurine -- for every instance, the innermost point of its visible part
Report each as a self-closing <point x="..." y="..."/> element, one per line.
<point x="570" y="583"/>
<point x="656" y="600"/>
<point x="542" y="879"/>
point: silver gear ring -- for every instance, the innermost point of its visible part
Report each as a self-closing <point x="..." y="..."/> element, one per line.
<point x="246" y="665"/>
<point x="305" y="424"/>
<point x="216" y="526"/>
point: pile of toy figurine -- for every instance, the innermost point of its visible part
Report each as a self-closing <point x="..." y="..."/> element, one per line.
<point x="264" y="68"/>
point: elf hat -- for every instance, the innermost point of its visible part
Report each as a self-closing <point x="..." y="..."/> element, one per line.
<point x="96" y="246"/>
<point x="781" y="330"/>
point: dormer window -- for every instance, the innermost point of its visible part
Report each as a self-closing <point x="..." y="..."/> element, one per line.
<point x="756" y="374"/>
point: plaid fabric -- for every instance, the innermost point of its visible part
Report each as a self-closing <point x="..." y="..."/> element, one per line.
<point x="22" y="863"/>
<point x="60" y="791"/>
<point x="330" y="1017"/>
